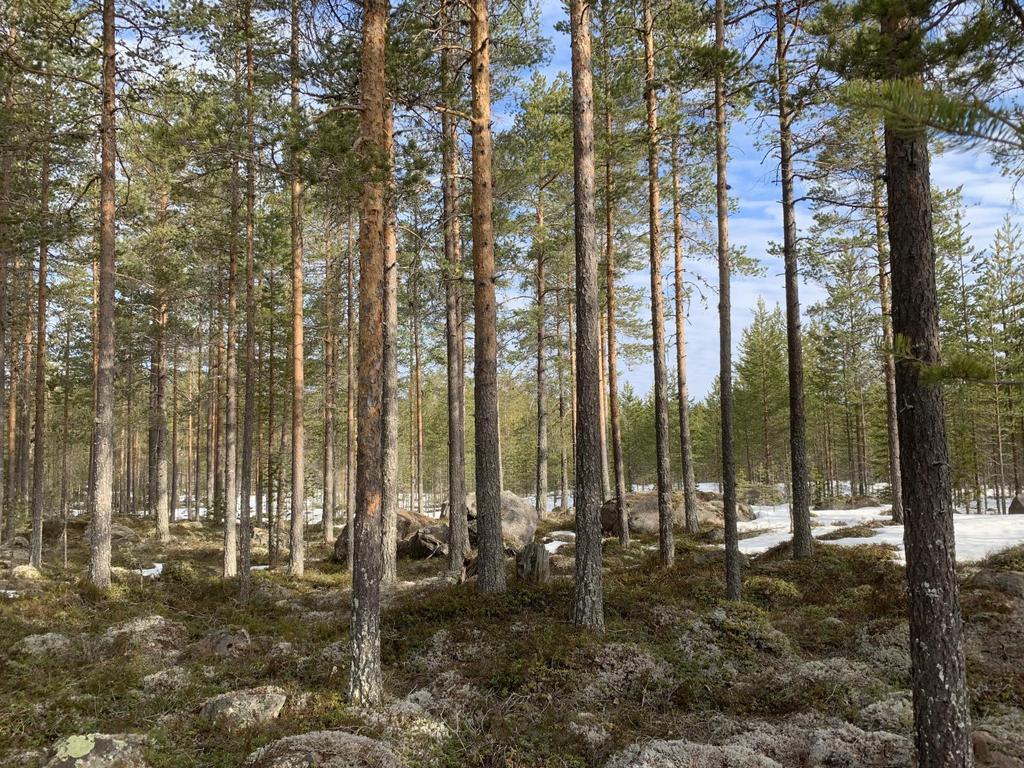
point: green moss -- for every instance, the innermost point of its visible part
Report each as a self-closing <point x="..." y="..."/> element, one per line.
<point x="771" y="592"/>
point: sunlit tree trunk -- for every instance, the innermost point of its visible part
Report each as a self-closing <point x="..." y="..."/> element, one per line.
<point x="485" y="380"/>
<point x="588" y="606"/>
<point x="365" y="680"/>
<point x="800" y="509"/>
<point x="458" y="533"/>
<point x="99" y="563"/>
<point x="297" y="553"/>
<point x="389" y="508"/>
<point x="666" y="541"/>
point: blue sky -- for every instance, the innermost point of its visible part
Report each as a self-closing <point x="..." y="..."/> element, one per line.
<point x="988" y="196"/>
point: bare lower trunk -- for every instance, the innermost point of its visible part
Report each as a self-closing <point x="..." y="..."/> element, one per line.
<point x="389" y="508"/>
<point x="685" y="443"/>
<point x="365" y="680"/>
<point x="541" y="484"/>
<point x="251" y="366"/>
<point x="103" y="437"/>
<point x="458" y="533"/>
<point x="941" y="710"/>
<point x="588" y="606"/>
<point x="732" y="552"/>
<point x="297" y="554"/>
<point x="39" y="456"/>
<point x="350" y="396"/>
<point x="230" y="569"/>
<point x="485" y="381"/>
<point x="666" y="542"/>
<point x="800" y="510"/>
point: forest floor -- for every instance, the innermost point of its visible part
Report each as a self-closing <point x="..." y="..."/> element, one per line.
<point x="810" y="670"/>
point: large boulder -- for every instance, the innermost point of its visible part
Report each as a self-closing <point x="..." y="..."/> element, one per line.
<point x="424" y="542"/>
<point x="324" y="749"/>
<point x="519" y="520"/>
<point x="408" y="524"/>
<point x="1009" y="582"/>
<point x="236" y="710"/>
<point x="100" y="750"/>
<point x="642" y="512"/>
<point x="118" y="533"/>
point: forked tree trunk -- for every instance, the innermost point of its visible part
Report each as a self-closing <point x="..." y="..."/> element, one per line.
<point x="99" y="552"/>
<point x="365" y="680"/>
<point x="666" y="542"/>
<point x="800" y="491"/>
<point x="485" y="380"/>
<point x="733" y="576"/>
<point x="588" y="606"/>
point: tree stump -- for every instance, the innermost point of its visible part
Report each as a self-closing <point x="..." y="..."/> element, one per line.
<point x="533" y="563"/>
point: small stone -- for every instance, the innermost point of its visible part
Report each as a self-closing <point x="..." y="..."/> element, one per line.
<point x="244" y="709"/>
<point x="26" y="573"/>
<point x="100" y="750"/>
<point x="223" y="642"/>
<point x="165" y="681"/>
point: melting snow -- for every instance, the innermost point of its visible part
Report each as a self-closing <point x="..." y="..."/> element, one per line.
<point x="977" y="536"/>
<point x="151" y="573"/>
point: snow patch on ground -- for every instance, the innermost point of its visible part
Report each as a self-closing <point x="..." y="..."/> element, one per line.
<point x="151" y="573"/>
<point x="977" y="536"/>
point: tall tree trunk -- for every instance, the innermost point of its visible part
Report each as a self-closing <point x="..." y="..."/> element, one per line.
<point x="39" y="455"/>
<point x="611" y="308"/>
<point x="541" y="484"/>
<point x="685" y="443"/>
<point x="485" y="379"/>
<point x="458" y="533"/>
<point x="350" y="395"/>
<point x="251" y="367"/>
<point x="417" y="390"/>
<point x="389" y="508"/>
<point x="365" y="681"/>
<point x="732" y="550"/>
<point x="173" y="458"/>
<point x="563" y="437"/>
<point x="330" y="388"/>
<point x="588" y="606"/>
<point x="161" y="502"/>
<point x="800" y="510"/>
<point x="99" y="552"/>
<point x="941" y="710"/>
<point x="297" y="553"/>
<point x="231" y="388"/>
<point x="6" y="161"/>
<point x="666" y="543"/>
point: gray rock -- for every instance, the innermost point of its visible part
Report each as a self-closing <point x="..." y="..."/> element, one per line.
<point x="118" y="532"/>
<point x="151" y="636"/>
<point x="809" y="744"/>
<point x="26" y="573"/>
<point x="686" y="754"/>
<point x="20" y="542"/>
<point x="324" y="749"/>
<point x="1010" y="582"/>
<point x="894" y="713"/>
<point x="244" y="709"/>
<point x="48" y="644"/>
<point x="165" y="681"/>
<point x="518" y="519"/>
<point x="222" y="642"/>
<point x="642" y="512"/>
<point x="100" y="750"/>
